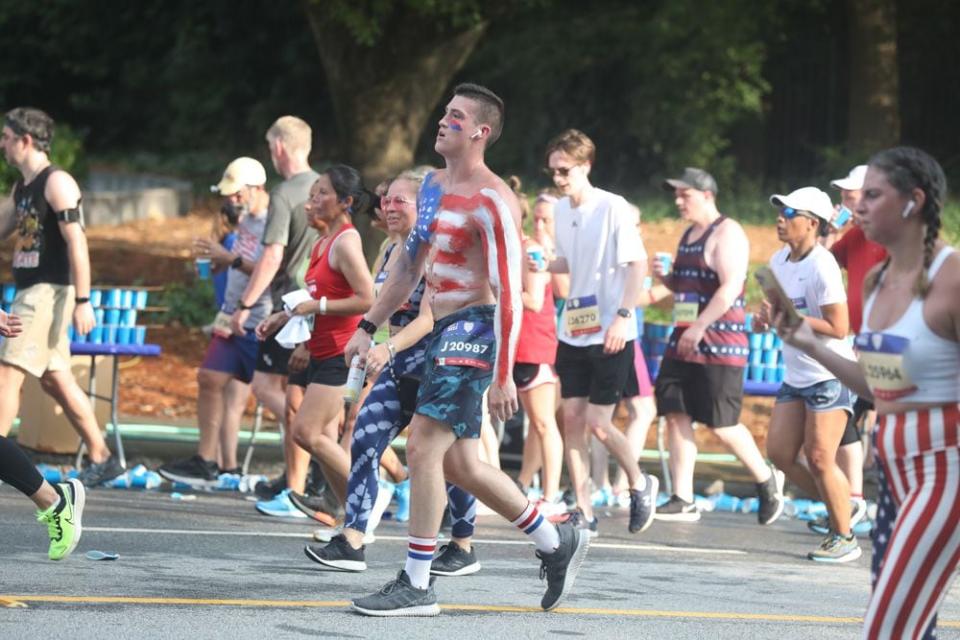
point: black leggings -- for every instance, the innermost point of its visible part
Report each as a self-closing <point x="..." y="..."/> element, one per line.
<point x="16" y="468"/>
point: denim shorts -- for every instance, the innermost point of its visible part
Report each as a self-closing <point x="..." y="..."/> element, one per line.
<point x="828" y="395"/>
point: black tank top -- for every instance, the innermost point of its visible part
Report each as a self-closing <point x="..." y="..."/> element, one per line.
<point x="40" y="254"/>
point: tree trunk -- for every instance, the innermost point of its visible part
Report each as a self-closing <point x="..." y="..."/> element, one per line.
<point x="874" y="99"/>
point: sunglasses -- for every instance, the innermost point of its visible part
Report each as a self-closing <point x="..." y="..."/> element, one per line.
<point x="398" y="201"/>
<point x="790" y="213"/>
<point x="563" y="172"/>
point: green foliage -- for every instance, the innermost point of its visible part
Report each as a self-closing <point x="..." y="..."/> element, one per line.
<point x="191" y="305"/>
<point x="65" y="152"/>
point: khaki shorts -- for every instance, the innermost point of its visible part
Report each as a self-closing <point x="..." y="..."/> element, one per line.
<point x="46" y="311"/>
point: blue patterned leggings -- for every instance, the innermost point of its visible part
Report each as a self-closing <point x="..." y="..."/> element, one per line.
<point x="380" y="419"/>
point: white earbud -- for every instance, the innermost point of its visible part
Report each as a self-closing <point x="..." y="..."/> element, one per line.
<point x="476" y="134"/>
<point x="907" y="209"/>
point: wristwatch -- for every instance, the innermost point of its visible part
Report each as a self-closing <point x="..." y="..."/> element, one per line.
<point x="81" y="300"/>
<point x="624" y="313"/>
<point x="368" y="327"/>
<point x="237" y="262"/>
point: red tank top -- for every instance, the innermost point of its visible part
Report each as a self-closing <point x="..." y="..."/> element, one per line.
<point x="538" y="332"/>
<point x="330" y="333"/>
<point x="725" y="341"/>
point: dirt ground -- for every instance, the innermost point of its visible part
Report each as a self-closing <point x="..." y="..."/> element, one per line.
<point x="155" y="252"/>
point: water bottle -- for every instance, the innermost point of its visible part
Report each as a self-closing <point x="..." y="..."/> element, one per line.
<point x="355" y="378"/>
<point x="726" y="502"/>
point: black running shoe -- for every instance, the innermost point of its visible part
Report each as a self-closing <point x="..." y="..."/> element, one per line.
<point x="95" y="475"/>
<point x="268" y="489"/>
<point x="643" y="505"/>
<point x="194" y="471"/>
<point x="454" y="561"/>
<point x="399" y="598"/>
<point x="338" y="554"/>
<point x="560" y="567"/>
<point x="678" y="510"/>
<point x="771" y="498"/>
<point x="578" y="520"/>
<point x="313" y="506"/>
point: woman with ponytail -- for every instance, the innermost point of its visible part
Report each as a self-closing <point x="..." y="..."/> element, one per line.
<point x="909" y="364"/>
<point x="341" y="290"/>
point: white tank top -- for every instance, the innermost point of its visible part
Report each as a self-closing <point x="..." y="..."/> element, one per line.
<point x="907" y="362"/>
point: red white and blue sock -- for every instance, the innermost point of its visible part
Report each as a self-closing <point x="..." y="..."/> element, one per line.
<point x="543" y="533"/>
<point x="419" y="556"/>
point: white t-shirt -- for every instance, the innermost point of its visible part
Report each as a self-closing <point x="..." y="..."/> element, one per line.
<point x="598" y="239"/>
<point x="812" y="283"/>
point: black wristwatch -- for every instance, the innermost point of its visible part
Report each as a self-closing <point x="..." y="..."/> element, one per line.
<point x="237" y="262"/>
<point x="81" y="300"/>
<point x="368" y="327"/>
<point x="244" y="307"/>
<point x="624" y="313"/>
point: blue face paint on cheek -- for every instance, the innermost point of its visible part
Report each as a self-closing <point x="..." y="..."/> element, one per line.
<point x="455" y="125"/>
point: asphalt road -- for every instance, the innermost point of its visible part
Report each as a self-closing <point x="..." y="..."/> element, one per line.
<point x="214" y="568"/>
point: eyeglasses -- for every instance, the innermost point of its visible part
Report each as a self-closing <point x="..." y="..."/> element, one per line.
<point x="563" y="172"/>
<point x="398" y="201"/>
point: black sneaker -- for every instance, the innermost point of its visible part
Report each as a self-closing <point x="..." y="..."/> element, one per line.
<point x="313" y="506"/>
<point x="579" y="521"/>
<point x="454" y="561"/>
<point x="399" y="598"/>
<point x="678" y="510"/>
<point x="770" y="494"/>
<point x="194" y="471"/>
<point x="560" y="567"/>
<point x="643" y="505"/>
<point x="338" y="554"/>
<point x="269" y="489"/>
<point x="95" y="475"/>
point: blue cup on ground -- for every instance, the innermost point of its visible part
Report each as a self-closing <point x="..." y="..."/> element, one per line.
<point x="128" y="317"/>
<point x="109" y="334"/>
<point x="96" y="335"/>
<point x="111" y="316"/>
<point x="726" y="502"/>
<point x="770" y="374"/>
<point x="124" y="335"/>
<point x="770" y="357"/>
<point x="140" y="335"/>
<point x="756" y="372"/>
<point x="140" y="300"/>
<point x="9" y="292"/>
<point x="96" y="297"/>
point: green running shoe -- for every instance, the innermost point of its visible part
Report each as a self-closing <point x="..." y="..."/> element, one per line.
<point x="63" y="520"/>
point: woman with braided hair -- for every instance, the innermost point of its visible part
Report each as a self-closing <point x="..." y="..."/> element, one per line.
<point x="909" y="364"/>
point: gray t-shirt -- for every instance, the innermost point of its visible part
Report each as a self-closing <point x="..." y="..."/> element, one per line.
<point x="249" y="247"/>
<point x="287" y="225"/>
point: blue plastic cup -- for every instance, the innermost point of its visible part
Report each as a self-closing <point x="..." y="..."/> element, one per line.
<point x="777" y="342"/>
<point x="726" y="502"/>
<point x="114" y="298"/>
<point x="140" y="335"/>
<point x="78" y="337"/>
<point x="768" y="340"/>
<point x="756" y="341"/>
<point x="109" y="334"/>
<point x="9" y="292"/>
<point x="96" y="297"/>
<point x="126" y="299"/>
<point x="96" y="335"/>
<point x="140" y="300"/>
<point x="128" y="317"/>
<point x="770" y="374"/>
<point x="770" y="357"/>
<point x="203" y="268"/>
<point x="756" y="372"/>
<point x="111" y="316"/>
<point x="98" y="314"/>
<point x="70" y="333"/>
<point x="756" y="357"/>
<point x="781" y="372"/>
<point x="124" y="335"/>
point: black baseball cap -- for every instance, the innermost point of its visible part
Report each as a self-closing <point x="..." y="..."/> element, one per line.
<point x="692" y="178"/>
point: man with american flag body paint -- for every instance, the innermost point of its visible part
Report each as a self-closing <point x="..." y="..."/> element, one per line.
<point x="467" y="244"/>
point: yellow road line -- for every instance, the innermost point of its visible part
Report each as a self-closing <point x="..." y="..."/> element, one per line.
<point x="341" y="604"/>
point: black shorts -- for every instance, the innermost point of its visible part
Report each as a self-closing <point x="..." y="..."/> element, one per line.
<point x="588" y="372"/>
<point x="299" y="378"/>
<point x="710" y="394"/>
<point x="272" y="358"/>
<point x="329" y="371"/>
<point x="631" y="388"/>
<point x="852" y="432"/>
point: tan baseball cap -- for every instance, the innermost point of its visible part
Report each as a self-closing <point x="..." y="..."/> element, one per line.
<point x="240" y="173"/>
